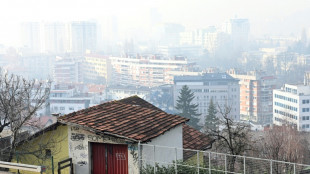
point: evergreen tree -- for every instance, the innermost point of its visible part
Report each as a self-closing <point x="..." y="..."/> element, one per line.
<point x="211" y="121"/>
<point x="185" y="108"/>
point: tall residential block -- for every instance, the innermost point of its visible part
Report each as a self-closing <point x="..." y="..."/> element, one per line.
<point x="56" y="37"/>
<point x="255" y="95"/>
<point x="32" y="37"/>
<point x="222" y="88"/>
<point x="83" y="36"/>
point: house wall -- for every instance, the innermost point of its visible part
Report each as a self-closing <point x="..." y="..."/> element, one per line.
<point x="80" y="149"/>
<point x="173" y="139"/>
<point x="55" y="140"/>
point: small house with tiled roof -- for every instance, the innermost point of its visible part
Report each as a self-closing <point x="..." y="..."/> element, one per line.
<point x="104" y="138"/>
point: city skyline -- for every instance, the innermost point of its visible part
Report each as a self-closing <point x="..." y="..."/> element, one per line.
<point x="273" y="18"/>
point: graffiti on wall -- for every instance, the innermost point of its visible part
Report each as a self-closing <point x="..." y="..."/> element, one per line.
<point x="77" y="137"/>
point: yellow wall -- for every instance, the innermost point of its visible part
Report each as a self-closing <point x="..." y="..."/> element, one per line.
<point x="55" y="140"/>
<point x="193" y="160"/>
<point x="96" y="66"/>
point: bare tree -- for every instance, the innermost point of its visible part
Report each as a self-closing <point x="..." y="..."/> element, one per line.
<point x="283" y="143"/>
<point x="230" y="136"/>
<point x="20" y="99"/>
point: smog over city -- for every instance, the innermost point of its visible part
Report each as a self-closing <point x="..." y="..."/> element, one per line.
<point x="155" y="86"/>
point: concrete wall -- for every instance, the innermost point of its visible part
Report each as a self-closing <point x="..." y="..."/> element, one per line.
<point x="80" y="151"/>
<point x="173" y="138"/>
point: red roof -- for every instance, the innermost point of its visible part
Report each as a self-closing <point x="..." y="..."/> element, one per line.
<point x="193" y="139"/>
<point x="132" y="117"/>
<point x="135" y="100"/>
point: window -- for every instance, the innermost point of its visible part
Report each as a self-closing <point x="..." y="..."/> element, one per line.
<point x="71" y="108"/>
<point x="62" y="108"/>
<point x="305" y="118"/>
<point x="48" y="153"/>
<point x="305" y="109"/>
<point x="305" y="101"/>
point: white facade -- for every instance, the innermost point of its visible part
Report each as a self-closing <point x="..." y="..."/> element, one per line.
<point x="120" y="92"/>
<point x="148" y="70"/>
<point x="222" y="88"/>
<point x="291" y="106"/>
<point x="66" y="99"/>
<point x="166" y="147"/>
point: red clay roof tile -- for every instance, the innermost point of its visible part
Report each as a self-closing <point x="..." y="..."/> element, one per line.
<point x="131" y="117"/>
<point x="193" y="139"/>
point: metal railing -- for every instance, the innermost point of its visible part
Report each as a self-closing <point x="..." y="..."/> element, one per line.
<point x="25" y="167"/>
<point x="170" y="160"/>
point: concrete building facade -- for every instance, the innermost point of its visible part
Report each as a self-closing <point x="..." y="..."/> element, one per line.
<point x="220" y="87"/>
<point x="149" y="70"/>
<point x="291" y="106"/>
<point x="255" y="95"/>
<point x="97" y="69"/>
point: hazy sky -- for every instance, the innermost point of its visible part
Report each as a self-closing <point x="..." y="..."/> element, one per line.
<point x="266" y="16"/>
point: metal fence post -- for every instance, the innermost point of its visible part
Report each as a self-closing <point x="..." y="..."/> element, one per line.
<point x="244" y="164"/>
<point x="225" y="163"/>
<point x="154" y="161"/>
<point x="270" y="166"/>
<point x="294" y="168"/>
<point x="209" y="162"/>
<point x="17" y="159"/>
<point x="176" y="160"/>
<point x="139" y="157"/>
<point x="198" y="161"/>
<point x="52" y="158"/>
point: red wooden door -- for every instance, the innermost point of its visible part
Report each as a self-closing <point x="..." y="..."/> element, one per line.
<point x="113" y="161"/>
<point x="99" y="158"/>
<point x="119" y="159"/>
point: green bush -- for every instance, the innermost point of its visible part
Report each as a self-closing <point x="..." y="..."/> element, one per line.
<point x="181" y="169"/>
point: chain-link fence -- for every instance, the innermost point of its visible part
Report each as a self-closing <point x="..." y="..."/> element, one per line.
<point x="171" y="160"/>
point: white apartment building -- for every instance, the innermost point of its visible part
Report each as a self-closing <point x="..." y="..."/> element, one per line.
<point x="221" y="87"/>
<point x="67" y="98"/>
<point x="119" y="92"/>
<point x="291" y="106"/>
<point x="67" y="70"/>
<point x="149" y="70"/>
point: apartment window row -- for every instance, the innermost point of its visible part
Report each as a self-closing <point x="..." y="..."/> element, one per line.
<point x="285" y="114"/>
<point x="305" y="118"/>
<point x="219" y="91"/>
<point x="294" y="91"/>
<point x="62" y="108"/>
<point x="284" y="121"/>
<point x="305" y="109"/>
<point x="305" y="101"/>
<point x="305" y="126"/>
<point x="67" y="101"/>
<point x="207" y="90"/>
<point x="292" y="108"/>
<point x="285" y="98"/>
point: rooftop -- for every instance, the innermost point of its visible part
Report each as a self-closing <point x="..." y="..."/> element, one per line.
<point x="206" y="77"/>
<point x="193" y="139"/>
<point x="132" y="118"/>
